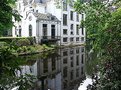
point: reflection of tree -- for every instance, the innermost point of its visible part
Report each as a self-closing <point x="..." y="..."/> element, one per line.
<point x="49" y="54"/>
<point x="9" y="65"/>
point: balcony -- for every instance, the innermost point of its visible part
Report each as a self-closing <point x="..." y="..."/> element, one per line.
<point x="50" y="39"/>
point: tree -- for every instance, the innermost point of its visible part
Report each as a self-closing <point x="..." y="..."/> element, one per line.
<point x="102" y="24"/>
<point x="7" y="13"/>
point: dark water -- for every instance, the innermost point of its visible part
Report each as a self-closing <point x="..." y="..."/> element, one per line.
<point x="62" y="69"/>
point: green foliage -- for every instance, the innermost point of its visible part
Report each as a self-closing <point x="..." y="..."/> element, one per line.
<point x="18" y="41"/>
<point x="9" y="64"/>
<point x="45" y="47"/>
<point x="3" y="44"/>
<point x="103" y="29"/>
<point x="23" y="42"/>
<point x="26" y="49"/>
<point x="6" y="14"/>
<point x="32" y="40"/>
<point x="25" y="82"/>
<point x="31" y="49"/>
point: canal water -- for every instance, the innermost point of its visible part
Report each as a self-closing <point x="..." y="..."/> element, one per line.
<point x="62" y="69"/>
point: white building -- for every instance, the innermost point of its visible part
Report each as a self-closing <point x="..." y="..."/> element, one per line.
<point x="48" y="20"/>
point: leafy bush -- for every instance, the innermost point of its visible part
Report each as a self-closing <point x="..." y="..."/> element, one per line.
<point x="22" y="49"/>
<point x="13" y="40"/>
<point x="31" y="49"/>
<point x="3" y="44"/>
<point x="45" y="47"/>
<point x="19" y="50"/>
<point x="32" y="40"/>
<point x="23" y="42"/>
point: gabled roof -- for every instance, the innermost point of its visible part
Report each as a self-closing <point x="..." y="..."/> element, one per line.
<point x="48" y="17"/>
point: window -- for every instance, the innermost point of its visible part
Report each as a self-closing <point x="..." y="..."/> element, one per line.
<point x="82" y="59"/>
<point x="77" y="72"/>
<point x="71" y="61"/>
<point x="77" y="39"/>
<point x="64" y="39"/>
<point x="65" y="60"/>
<point x="64" y="6"/>
<point x="71" y="39"/>
<point x="52" y="26"/>
<point x="64" y="19"/>
<point x="65" y="70"/>
<point x="53" y="64"/>
<point x="19" y="31"/>
<point x="82" y="25"/>
<point x="65" y="31"/>
<point x="52" y="18"/>
<point x="45" y="66"/>
<point x="71" y="58"/>
<point x="45" y="30"/>
<point x="82" y="49"/>
<point x="82" y="39"/>
<point x="77" y="17"/>
<point x="71" y="15"/>
<point x="72" y="27"/>
<point x="71" y="3"/>
<point x="71" y="74"/>
<point x="77" y="29"/>
<point x="53" y="31"/>
<point x="30" y="30"/>
<point x="33" y="10"/>
<point x="72" y="33"/>
<point x="37" y="11"/>
<point x="65" y="53"/>
<point x="77" y="50"/>
<point x="77" y="60"/>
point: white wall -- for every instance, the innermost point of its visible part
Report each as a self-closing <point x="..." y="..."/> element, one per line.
<point x="48" y="7"/>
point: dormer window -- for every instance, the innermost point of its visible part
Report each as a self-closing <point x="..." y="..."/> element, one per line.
<point x="52" y="18"/>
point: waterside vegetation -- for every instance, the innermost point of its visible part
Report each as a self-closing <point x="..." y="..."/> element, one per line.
<point x="103" y="29"/>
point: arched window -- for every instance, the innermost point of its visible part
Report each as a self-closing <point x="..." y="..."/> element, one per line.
<point x="30" y="30"/>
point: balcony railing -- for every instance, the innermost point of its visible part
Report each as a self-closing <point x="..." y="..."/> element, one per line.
<point x="50" y="37"/>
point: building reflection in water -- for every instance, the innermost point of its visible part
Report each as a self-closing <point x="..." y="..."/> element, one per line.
<point x="64" y="71"/>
